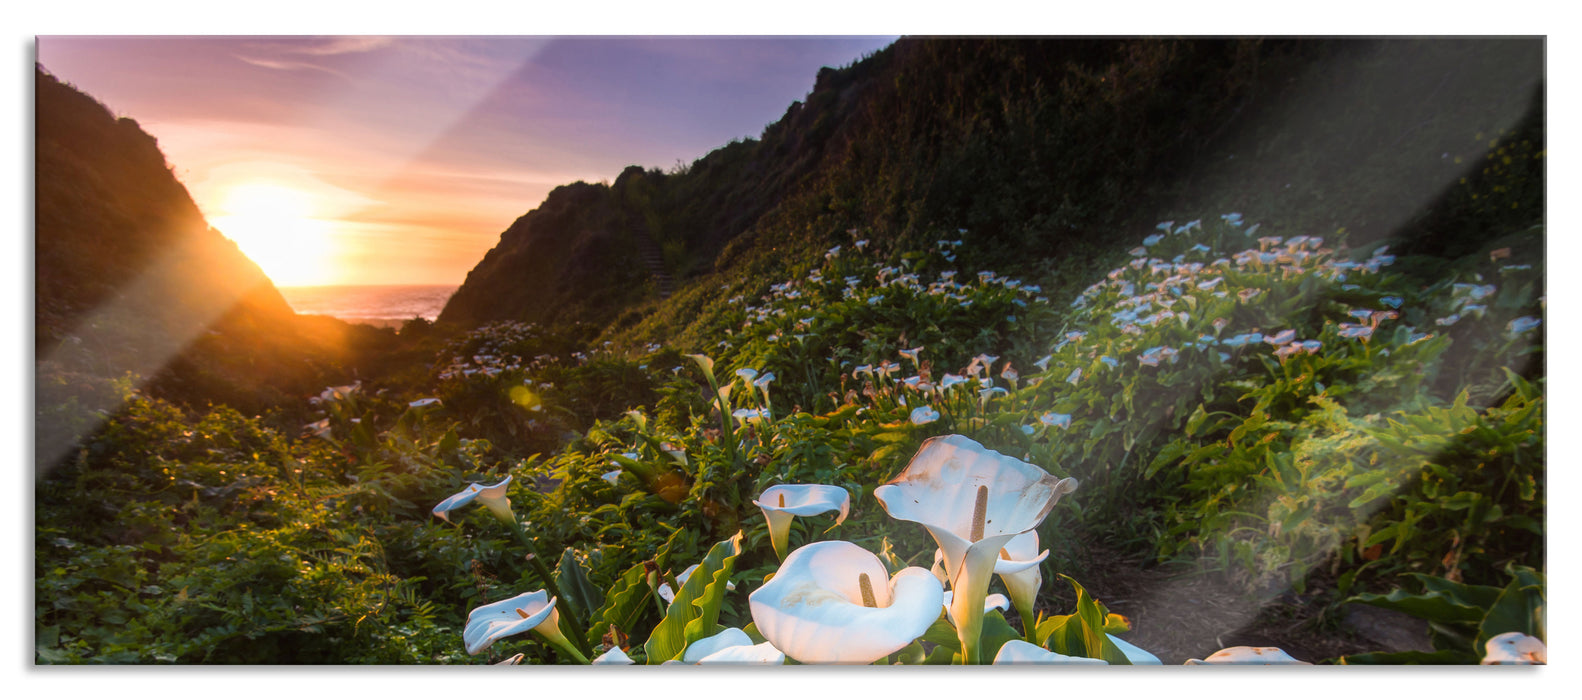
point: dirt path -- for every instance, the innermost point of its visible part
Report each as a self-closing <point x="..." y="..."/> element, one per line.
<point x="1180" y="615"/>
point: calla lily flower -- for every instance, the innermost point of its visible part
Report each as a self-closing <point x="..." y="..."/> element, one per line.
<point x="1248" y="656"/>
<point x="1514" y="648"/>
<point x="783" y="503"/>
<point x="611" y="476"/>
<point x="1056" y="420"/>
<point x="1018" y="568"/>
<point x="613" y="657"/>
<point x="1135" y="654"/>
<point x="492" y="497"/>
<point x="973" y="501"/>
<point x="732" y="646"/>
<point x="669" y="595"/>
<point x="529" y="611"/>
<point x="1017" y="651"/>
<point x="923" y="415"/>
<point x="831" y="602"/>
<point x="423" y="403"/>
<point x="514" y="660"/>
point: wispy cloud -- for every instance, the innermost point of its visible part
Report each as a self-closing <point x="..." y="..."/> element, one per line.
<point x="335" y="45"/>
<point x="278" y="64"/>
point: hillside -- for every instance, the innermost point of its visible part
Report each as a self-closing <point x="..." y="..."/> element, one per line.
<point x="1049" y="154"/>
<point x="131" y="279"/>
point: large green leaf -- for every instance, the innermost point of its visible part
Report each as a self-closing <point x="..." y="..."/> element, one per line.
<point x="623" y="605"/>
<point x="1444" y="602"/>
<point x="575" y="586"/>
<point x="943" y="634"/>
<point x="1520" y="608"/>
<point x="1082" y="633"/>
<point x="996" y="632"/>
<point x="696" y="608"/>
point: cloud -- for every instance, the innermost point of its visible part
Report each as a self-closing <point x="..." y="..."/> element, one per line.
<point x="290" y="65"/>
<point x="330" y="46"/>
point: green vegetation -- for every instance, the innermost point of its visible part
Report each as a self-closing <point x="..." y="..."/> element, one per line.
<point x="949" y="238"/>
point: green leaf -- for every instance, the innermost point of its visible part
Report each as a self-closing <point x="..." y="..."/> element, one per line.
<point x="1083" y="633"/>
<point x="1433" y="606"/>
<point x="575" y="586"/>
<point x="943" y="634"/>
<point x="623" y="605"/>
<point x="696" y="609"/>
<point x="1519" y="608"/>
<point x="1195" y="420"/>
<point x="996" y="632"/>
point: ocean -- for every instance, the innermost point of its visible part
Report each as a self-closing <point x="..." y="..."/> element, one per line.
<point x="379" y="305"/>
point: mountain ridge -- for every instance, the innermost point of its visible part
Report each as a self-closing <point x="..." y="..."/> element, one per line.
<point x="1044" y="152"/>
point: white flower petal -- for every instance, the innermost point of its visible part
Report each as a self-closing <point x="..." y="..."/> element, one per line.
<point x="492" y="497"/>
<point x="1017" y="651"/>
<point x="1514" y="648"/>
<point x="1135" y="654"/>
<point x="488" y="623"/>
<point x="757" y="654"/>
<point x="939" y="490"/>
<point x="1248" y="656"/>
<point x="731" y="637"/>
<point x="813" y="609"/>
<point x="613" y="657"/>
<point x="782" y="503"/>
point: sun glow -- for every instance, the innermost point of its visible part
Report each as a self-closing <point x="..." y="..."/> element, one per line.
<point x="275" y="227"/>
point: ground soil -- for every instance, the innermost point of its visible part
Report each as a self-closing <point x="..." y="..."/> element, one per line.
<point x="1180" y="613"/>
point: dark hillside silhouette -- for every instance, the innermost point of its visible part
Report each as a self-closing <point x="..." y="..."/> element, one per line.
<point x="131" y="279"/>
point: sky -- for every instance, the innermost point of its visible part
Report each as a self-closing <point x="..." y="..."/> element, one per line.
<point x="379" y="160"/>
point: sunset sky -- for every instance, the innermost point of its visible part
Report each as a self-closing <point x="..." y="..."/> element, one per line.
<point x="371" y="160"/>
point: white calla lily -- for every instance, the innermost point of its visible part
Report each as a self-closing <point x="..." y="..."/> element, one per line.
<point x="781" y="504"/>
<point x="513" y="660"/>
<point x="529" y="611"/>
<point x="492" y="497"/>
<point x="973" y="501"/>
<point x="1248" y="656"/>
<point x="1018" y="568"/>
<point x="613" y="657"/>
<point x="1017" y="651"/>
<point x="832" y="603"/>
<point x="1135" y="654"/>
<point x="1514" y="648"/>
<point x="732" y="646"/>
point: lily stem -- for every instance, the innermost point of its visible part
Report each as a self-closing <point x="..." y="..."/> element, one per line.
<point x="567" y="615"/>
<point x="569" y="649"/>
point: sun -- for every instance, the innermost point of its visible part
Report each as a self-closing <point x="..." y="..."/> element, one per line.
<point x="275" y="226"/>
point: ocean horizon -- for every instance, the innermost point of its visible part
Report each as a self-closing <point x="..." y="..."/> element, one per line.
<point x="379" y="304"/>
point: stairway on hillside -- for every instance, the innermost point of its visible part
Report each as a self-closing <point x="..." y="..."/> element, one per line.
<point x="654" y="258"/>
